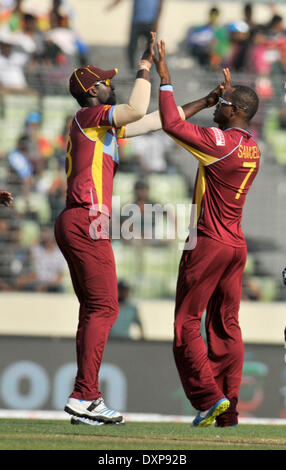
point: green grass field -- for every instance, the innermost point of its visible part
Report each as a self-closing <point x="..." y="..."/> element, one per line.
<point x="32" y="434"/>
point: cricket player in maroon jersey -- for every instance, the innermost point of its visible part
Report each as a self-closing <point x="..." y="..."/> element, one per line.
<point x="91" y="163"/>
<point x="210" y="275"/>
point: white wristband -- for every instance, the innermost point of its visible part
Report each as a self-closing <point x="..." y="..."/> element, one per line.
<point x="144" y="65"/>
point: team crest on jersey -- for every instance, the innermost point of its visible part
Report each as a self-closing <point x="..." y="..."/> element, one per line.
<point x="219" y="136"/>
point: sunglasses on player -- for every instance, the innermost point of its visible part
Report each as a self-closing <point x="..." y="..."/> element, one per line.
<point x="229" y="103"/>
<point x="104" y="82"/>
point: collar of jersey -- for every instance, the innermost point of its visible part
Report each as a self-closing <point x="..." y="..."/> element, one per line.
<point x="239" y="129"/>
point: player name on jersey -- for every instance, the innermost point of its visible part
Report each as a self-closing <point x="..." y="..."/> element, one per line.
<point x="245" y="151"/>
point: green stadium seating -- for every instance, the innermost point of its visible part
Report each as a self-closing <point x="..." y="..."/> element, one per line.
<point x="150" y="270"/>
<point x="55" y="110"/>
<point x="14" y="110"/>
<point x="275" y="136"/>
<point x="167" y="188"/>
<point x="268" y="287"/>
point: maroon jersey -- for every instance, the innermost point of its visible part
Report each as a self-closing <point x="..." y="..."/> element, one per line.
<point x="228" y="163"/>
<point x="92" y="158"/>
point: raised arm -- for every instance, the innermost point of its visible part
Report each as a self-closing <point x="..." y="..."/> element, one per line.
<point x="152" y="122"/>
<point x="149" y="123"/>
<point x="140" y="96"/>
<point x="199" y="141"/>
<point x="190" y="109"/>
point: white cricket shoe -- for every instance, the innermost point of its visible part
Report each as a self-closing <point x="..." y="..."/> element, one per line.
<point x="76" y="420"/>
<point x="89" y="422"/>
<point x="95" y="410"/>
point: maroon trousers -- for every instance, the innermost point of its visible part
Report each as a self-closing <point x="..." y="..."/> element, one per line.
<point x="92" y="269"/>
<point x="210" y="278"/>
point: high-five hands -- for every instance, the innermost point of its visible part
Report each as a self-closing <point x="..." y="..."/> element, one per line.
<point x="149" y="51"/>
<point x="160" y="62"/>
<point x="213" y="96"/>
<point x="163" y="72"/>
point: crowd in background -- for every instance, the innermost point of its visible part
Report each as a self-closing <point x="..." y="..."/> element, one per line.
<point x="244" y="46"/>
<point x="34" y="168"/>
<point x="29" y="42"/>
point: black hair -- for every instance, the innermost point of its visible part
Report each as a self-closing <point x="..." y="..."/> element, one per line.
<point x="246" y="97"/>
<point x="248" y="7"/>
<point x="275" y="20"/>
<point x="82" y="99"/>
<point x="214" y="10"/>
<point x="29" y="17"/>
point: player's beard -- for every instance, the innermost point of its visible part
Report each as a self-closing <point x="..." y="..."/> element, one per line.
<point x="112" y="98"/>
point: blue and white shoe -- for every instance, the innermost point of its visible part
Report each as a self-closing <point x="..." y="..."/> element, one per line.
<point x="85" y="421"/>
<point x="95" y="410"/>
<point x="76" y="420"/>
<point x="206" y="418"/>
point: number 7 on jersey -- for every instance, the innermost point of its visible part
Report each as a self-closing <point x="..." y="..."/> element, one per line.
<point x="251" y="166"/>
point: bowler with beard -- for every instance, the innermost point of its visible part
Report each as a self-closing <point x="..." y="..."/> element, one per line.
<point x="91" y="163"/>
<point x="210" y="274"/>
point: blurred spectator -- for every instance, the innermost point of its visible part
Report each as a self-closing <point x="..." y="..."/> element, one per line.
<point x="200" y="38"/>
<point x="12" y="65"/>
<point x="63" y="44"/>
<point x="248" y="43"/>
<point x="39" y="147"/>
<point x="248" y="15"/>
<point x="14" y="257"/>
<point x="32" y="39"/>
<point x="61" y="15"/>
<point x="239" y="36"/>
<point x="57" y="195"/>
<point x="60" y="41"/>
<point x="128" y="323"/>
<point x="275" y="28"/>
<point x="147" y="216"/>
<point x="278" y="73"/>
<point x="61" y="141"/>
<point x="19" y="163"/>
<point x="257" y="61"/>
<point x="142" y="199"/>
<point x="250" y="288"/>
<point x="220" y="47"/>
<point x="6" y="252"/>
<point x="155" y="144"/>
<point x="282" y="118"/>
<point x="208" y="43"/>
<point x="145" y="18"/>
<point x="266" y="43"/>
<point x="127" y="158"/>
<point x="48" y="266"/>
<point x="14" y="15"/>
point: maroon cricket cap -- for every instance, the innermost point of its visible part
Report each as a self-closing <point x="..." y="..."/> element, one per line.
<point x="84" y="78"/>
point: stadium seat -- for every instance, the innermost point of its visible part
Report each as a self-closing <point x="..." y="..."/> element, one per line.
<point x="268" y="288"/>
<point x="123" y="186"/>
<point x="250" y="263"/>
<point x="15" y="109"/>
<point x="163" y="188"/>
<point x="151" y="270"/>
<point x="167" y="188"/>
<point x="55" y="110"/>
<point x="275" y="136"/>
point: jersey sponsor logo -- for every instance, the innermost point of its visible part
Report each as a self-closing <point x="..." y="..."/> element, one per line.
<point x="248" y="152"/>
<point x="219" y="136"/>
